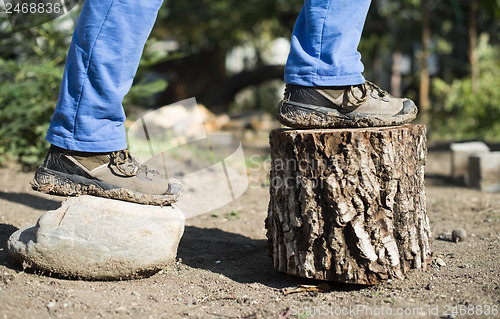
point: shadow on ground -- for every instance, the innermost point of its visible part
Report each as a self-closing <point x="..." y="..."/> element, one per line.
<point x="242" y="259"/>
<point x="29" y="200"/>
<point x="440" y="180"/>
<point x="5" y="259"/>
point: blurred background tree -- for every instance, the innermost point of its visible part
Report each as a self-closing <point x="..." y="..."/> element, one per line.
<point x="31" y="66"/>
<point x="230" y="55"/>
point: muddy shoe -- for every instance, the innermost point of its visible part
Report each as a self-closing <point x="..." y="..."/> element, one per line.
<point x="115" y="175"/>
<point x="363" y="105"/>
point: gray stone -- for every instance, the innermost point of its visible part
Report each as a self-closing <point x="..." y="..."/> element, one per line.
<point x="458" y="234"/>
<point x="97" y="238"/>
<point x="460" y="153"/>
<point x="440" y="262"/>
<point x="484" y="171"/>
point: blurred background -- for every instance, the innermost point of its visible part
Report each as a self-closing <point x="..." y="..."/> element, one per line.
<point x="230" y="55"/>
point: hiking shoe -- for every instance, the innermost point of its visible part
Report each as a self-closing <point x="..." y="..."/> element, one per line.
<point x="362" y="105"/>
<point x="115" y="175"/>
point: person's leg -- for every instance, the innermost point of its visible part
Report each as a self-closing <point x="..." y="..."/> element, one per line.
<point x="88" y="153"/>
<point x="102" y="61"/>
<point x="324" y="44"/>
<point x="325" y="87"/>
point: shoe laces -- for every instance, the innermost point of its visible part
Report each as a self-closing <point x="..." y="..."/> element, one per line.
<point x="363" y="87"/>
<point x="123" y="157"/>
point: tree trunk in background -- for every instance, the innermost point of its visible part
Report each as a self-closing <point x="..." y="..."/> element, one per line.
<point x="204" y="76"/>
<point x="378" y="66"/>
<point x="473" y="46"/>
<point x="396" y="73"/>
<point x="226" y="92"/>
<point x="424" y="68"/>
<point x="348" y="204"/>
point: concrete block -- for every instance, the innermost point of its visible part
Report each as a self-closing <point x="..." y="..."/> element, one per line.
<point x="484" y="171"/>
<point x="460" y="153"/>
<point x="97" y="238"/>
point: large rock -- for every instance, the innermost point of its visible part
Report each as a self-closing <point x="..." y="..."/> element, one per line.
<point x="460" y="153"/>
<point x="484" y="171"/>
<point x="96" y="238"/>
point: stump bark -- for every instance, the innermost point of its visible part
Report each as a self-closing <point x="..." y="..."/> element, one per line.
<point x="348" y="205"/>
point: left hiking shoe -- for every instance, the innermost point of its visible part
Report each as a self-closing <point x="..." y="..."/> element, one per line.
<point x="363" y="105"/>
<point x="115" y="175"/>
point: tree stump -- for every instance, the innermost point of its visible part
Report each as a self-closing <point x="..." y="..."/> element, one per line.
<point x="348" y="205"/>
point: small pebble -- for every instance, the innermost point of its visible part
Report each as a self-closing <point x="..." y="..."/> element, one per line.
<point x="440" y="262"/>
<point x="429" y="286"/>
<point x="121" y="309"/>
<point x="51" y="305"/>
<point x="458" y="234"/>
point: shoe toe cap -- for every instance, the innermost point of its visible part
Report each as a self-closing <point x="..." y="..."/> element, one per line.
<point x="175" y="188"/>
<point x="408" y="107"/>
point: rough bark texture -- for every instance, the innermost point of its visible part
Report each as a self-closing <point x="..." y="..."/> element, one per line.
<point x="348" y="205"/>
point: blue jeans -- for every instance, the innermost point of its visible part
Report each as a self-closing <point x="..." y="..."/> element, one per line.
<point x="109" y="39"/>
<point x="101" y="64"/>
<point x="324" y="43"/>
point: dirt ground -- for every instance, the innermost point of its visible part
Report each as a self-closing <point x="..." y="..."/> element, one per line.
<point x="223" y="269"/>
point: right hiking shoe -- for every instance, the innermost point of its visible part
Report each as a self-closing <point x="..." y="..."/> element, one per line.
<point x="115" y="175"/>
<point x="363" y="105"/>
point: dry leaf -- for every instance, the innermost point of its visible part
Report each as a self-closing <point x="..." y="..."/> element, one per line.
<point x="323" y="287"/>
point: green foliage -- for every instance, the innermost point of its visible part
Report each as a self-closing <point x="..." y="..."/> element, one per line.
<point x="27" y="96"/>
<point x="142" y="92"/>
<point x="31" y="68"/>
<point x="460" y="113"/>
<point x="234" y="214"/>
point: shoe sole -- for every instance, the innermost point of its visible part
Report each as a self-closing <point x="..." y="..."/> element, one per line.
<point x="57" y="183"/>
<point x="305" y="116"/>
